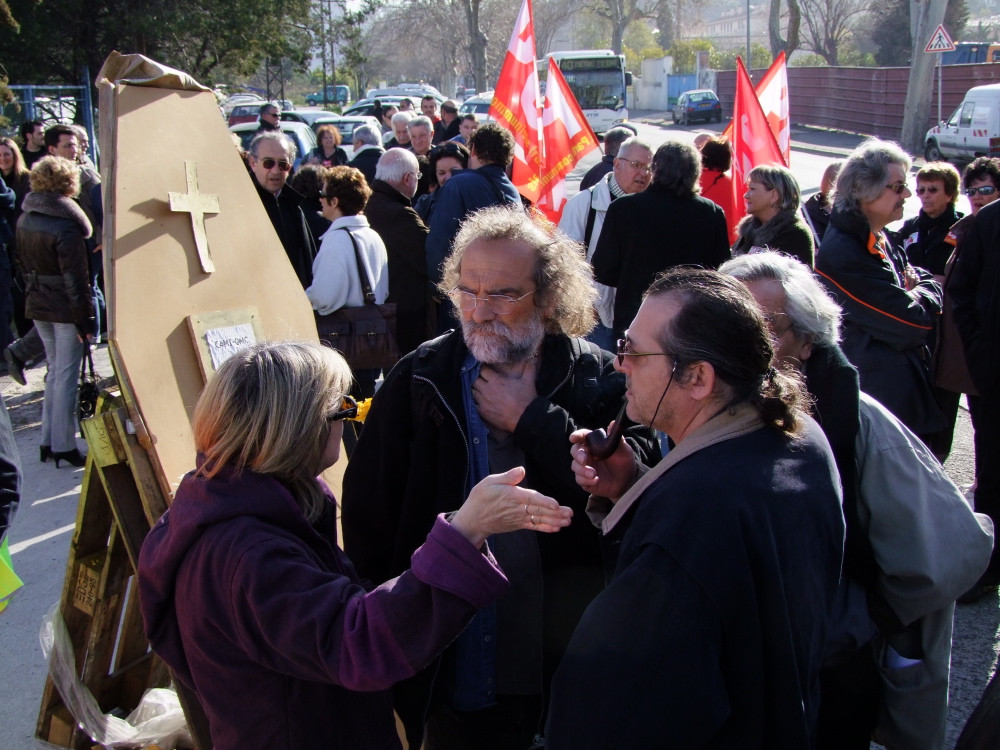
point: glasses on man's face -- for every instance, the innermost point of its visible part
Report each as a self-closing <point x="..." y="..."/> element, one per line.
<point x="897" y="187"/>
<point x="929" y="189"/>
<point x="623" y="351"/>
<point x="777" y="325"/>
<point x="348" y="410"/>
<point x="641" y="166"/>
<point x="982" y="190"/>
<point x="498" y="304"/>
<point x="269" y="163"/>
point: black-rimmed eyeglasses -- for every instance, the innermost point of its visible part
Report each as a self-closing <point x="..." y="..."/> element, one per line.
<point x="982" y="190"/>
<point x="348" y="410"/>
<point x="623" y="351"/>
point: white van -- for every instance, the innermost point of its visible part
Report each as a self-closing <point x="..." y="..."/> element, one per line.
<point x="972" y="130"/>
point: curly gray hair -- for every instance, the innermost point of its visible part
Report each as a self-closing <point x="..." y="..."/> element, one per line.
<point x="863" y="176"/>
<point x="563" y="279"/>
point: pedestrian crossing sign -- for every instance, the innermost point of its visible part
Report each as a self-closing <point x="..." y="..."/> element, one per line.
<point x="940" y="41"/>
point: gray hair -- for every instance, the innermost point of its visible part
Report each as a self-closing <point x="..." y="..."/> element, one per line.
<point x="615" y="138"/>
<point x="774" y="177"/>
<point x="402" y="117"/>
<point x="813" y="313"/>
<point x="563" y="277"/>
<point x="271" y="135"/>
<point x="367" y="135"/>
<point x="635" y="141"/>
<point x="677" y="167"/>
<point x="421" y="121"/>
<point x="394" y="165"/>
<point x="863" y="176"/>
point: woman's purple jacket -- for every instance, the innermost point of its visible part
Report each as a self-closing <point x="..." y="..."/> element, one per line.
<point x="266" y="620"/>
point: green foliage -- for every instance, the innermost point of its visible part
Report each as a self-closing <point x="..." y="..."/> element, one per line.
<point x="890" y="29"/>
<point x="685" y="55"/>
<point x="760" y="57"/>
<point x="807" y="61"/>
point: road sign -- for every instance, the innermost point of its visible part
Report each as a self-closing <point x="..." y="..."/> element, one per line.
<point x="940" y="41"/>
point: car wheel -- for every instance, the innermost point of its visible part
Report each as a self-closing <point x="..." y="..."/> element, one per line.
<point x="933" y="152"/>
<point x="673" y="117"/>
<point x="718" y="117"/>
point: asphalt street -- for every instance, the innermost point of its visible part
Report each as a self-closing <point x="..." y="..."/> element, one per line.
<point x="43" y="527"/>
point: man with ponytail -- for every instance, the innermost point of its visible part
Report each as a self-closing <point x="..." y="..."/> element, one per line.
<point x="710" y="633"/>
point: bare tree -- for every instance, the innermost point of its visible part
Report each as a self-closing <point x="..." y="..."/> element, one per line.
<point x="789" y="45"/>
<point x="550" y="16"/>
<point x="620" y="13"/>
<point x="828" y="24"/>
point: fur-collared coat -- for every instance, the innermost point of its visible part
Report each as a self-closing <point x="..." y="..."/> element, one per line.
<point x="785" y="233"/>
<point x="52" y="256"/>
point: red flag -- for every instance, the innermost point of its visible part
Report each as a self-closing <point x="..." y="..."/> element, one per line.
<point x="772" y="93"/>
<point x="517" y="104"/>
<point x="567" y="138"/>
<point x="752" y="140"/>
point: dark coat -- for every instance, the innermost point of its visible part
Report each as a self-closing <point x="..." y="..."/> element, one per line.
<point x="975" y="291"/>
<point x="649" y="232"/>
<point x="785" y="233"/>
<point x="603" y="167"/>
<point x="51" y="244"/>
<point x="925" y="240"/>
<point x="815" y="209"/>
<point x="367" y="160"/>
<point x="289" y="221"/>
<point x="264" y="617"/>
<point x="444" y="132"/>
<point x="412" y="462"/>
<point x="886" y="328"/>
<point x="318" y="156"/>
<point x="390" y="214"/>
<point x="711" y="632"/>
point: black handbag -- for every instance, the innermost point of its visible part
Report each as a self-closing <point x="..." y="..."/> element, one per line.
<point x="366" y="335"/>
<point x="87" y="402"/>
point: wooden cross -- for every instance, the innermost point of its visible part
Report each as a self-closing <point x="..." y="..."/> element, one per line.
<point x="197" y="204"/>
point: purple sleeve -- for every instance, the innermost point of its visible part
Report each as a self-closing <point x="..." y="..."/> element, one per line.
<point x="298" y="619"/>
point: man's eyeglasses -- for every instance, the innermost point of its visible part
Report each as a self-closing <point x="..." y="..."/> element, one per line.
<point x="774" y="326"/>
<point x="931" y="190"/>
<point x="623" y="345"/>
<point x="498" y="304"/>
<point x="269" y="163"/>
<point x="983" y="190"/>
<point x="897" y="187"/>
<point x="348" y="410"/>
<point x="641" y="166"/>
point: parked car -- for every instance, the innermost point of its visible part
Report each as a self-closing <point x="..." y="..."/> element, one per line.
<point x="479" y="106"/>
<point x="702" y="104"/>
<point x="413" y="90"/>
<point x="301" y="134"/>
<point x="237" y="99"/>
<point x="306" y="116"/>
<point x="366" y="107"/>
<point x="972" y="130"/>
<point x="341" y="95"/>
<point x="245" y="113"/>
<point x="346" y="125"/>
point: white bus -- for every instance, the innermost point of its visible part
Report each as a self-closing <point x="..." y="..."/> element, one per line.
<point x="598" y="79"/>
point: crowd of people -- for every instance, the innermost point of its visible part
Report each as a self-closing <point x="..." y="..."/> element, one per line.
<point x="770" y="556"/>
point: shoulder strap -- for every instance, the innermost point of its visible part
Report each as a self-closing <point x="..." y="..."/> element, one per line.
<point x="366" y="284"/>
<point x="589" y="231"/>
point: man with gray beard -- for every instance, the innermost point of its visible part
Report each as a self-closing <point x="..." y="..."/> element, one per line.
<point x="505" y="390"/>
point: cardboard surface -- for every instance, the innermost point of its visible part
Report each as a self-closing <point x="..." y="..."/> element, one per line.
<point x="153" y="276"/>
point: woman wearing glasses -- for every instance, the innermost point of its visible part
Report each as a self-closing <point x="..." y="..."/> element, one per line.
<point x="889" y="306"/>
<point x="924" y="237"/>
<point x="773" y="221"/>
<point x="246" y="594"/>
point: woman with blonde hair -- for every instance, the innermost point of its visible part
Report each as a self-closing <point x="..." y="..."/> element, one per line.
<point x="246" y="594"/>
<point x="773" y="223"/>
<point x="59" y="298"/>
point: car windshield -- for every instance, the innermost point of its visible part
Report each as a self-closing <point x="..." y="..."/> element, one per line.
<point x="474" y="108"/>
<point x="702" y="96"/>
<point x="600" y="89"/>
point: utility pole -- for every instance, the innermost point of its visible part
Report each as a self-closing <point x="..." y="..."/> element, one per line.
<point x="749" y="64"/>
<point x="925" y="16"/>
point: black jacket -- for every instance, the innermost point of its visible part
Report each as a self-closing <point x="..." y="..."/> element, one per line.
<point x="975" y="294"/>
<point x="785" y="233"/>
<point x="366" y="160"/>
<point x="649" y="232"/>
<point x="412" y="463"/>
<point x="52" y="254"/>
<point x="885" y="327"/>
<point x="390" y="214"/>
<point x="289" y="220"/>
<point x="924" y="240"/>
<point x="605" y="165"/>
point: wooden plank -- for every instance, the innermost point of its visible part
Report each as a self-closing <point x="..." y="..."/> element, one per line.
<point x="144" y="474"/>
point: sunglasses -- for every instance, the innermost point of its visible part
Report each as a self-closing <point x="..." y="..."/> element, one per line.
<point x="623" y="352"/>
<point x="898" y="187"/>
<point x="268" y="163"/>
<point x="446" y="149"/>
<point x="929" y="190"/>
<point x="984" y="190"/>
<point x="348" y="410"/>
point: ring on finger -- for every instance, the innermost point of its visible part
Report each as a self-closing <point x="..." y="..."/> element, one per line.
<point x="533" y="522"/>
<point x="526" y="509"/>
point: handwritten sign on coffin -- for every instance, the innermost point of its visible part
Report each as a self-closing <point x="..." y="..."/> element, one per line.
<point x="154" y="123"/>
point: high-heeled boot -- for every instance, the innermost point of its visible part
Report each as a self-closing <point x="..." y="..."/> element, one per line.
<point x="44" y="451"/>
<point x="73" y="457"/>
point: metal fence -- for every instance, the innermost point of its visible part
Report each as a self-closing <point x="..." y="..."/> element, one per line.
<point x="52" y="104"/>
<point x="863" y="100"/>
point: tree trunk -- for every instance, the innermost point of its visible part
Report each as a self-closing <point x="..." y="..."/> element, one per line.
<point x="477" y="45"/>
<point x="779" y="45"/>
<point x="925" y="15"/>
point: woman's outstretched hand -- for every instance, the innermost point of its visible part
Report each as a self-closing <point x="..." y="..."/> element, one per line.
<point x="497" y="505"/>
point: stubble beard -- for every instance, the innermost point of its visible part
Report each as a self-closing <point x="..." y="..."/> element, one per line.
<point x="494" y="343"/>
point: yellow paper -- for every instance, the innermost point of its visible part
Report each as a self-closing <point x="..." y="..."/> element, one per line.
<point x="9" y="582"/>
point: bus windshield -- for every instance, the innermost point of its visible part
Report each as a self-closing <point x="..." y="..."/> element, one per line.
<point x="596" y="89"/>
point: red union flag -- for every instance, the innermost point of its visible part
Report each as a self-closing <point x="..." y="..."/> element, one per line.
<point x="567" y="138"/>
<point x="772" y="93"/>
<point x="516" y="104"/>
<point x="752" y="140"/>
